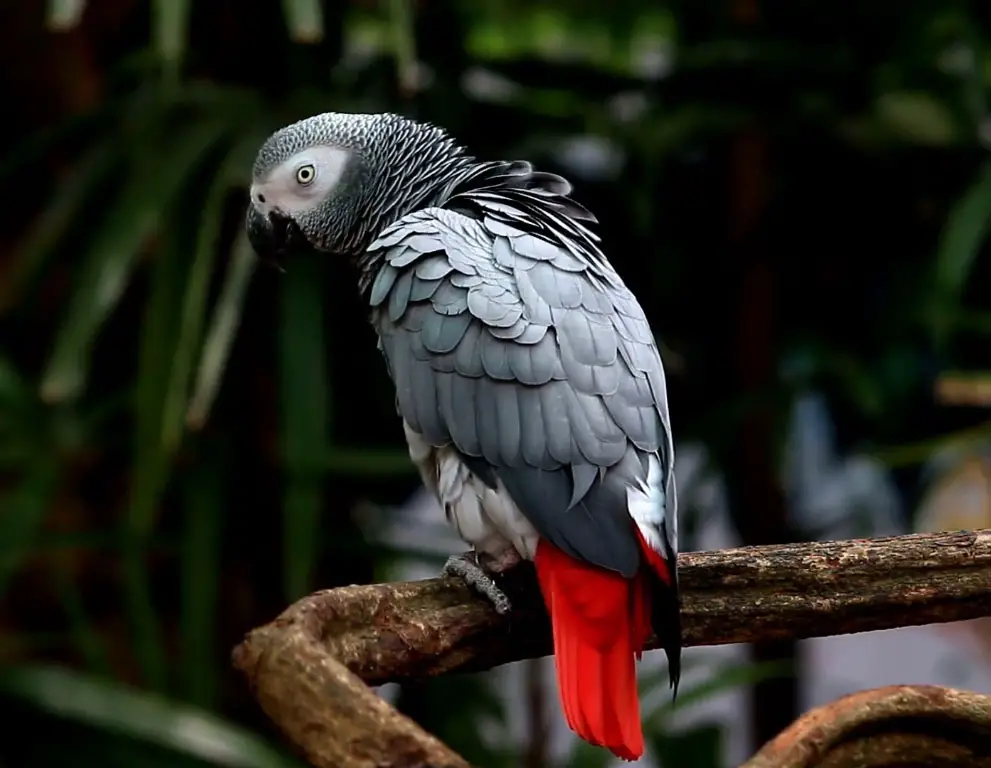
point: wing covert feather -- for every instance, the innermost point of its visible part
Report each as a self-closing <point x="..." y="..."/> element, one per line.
<point x="522" y="355"/>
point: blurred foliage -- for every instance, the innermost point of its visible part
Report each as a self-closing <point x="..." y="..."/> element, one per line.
<point x="169" y="409"/>
<point x="102" y="723"/>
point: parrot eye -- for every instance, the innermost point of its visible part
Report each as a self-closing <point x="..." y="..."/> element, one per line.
<point x="305" y="174"/>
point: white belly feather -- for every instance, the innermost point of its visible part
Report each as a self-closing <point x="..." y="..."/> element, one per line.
<point x="484" y="517"/>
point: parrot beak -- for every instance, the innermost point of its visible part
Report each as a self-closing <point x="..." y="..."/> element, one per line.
<point x="272" y="236"/>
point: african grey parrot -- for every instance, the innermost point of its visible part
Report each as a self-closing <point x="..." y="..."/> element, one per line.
<point x="530" y="388"/>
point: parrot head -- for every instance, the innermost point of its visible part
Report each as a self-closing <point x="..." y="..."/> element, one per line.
<point x="331" y="182"/>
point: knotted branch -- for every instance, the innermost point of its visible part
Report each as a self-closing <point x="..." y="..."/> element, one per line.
<point x="306" y="667"/>
<point x="898" y="725"/>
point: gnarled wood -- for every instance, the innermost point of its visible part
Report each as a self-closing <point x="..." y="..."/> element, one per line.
<point x="331" y="717"/>
<point x="305" y="666"/>
<point x="898" y="725"/>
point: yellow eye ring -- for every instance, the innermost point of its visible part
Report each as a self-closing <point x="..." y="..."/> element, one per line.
<point x="305" y="174"/>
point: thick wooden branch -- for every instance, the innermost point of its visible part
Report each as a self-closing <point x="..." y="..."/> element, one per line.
<point x="898" y="725"/>
<point x="306" y="667"/>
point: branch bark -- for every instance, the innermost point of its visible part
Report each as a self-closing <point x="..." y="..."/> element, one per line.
<point x="897" y="725"/>
<point x="306" y="668"/>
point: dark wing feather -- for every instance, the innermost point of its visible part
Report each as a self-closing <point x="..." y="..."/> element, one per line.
<point x="509" y="336"/>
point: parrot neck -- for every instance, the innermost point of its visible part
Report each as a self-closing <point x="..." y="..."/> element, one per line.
<point x="429" y="191"/>
<point x="427" y="182"/>
<point x="387" y="197"/>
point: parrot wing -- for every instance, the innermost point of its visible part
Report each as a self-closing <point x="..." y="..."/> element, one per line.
<point x="510" y="336"/>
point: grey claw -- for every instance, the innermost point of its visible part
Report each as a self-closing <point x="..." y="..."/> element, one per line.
<point x="466" y="568"/>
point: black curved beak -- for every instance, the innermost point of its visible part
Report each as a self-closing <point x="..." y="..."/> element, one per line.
<point x="273" y="236"/>
<point x="261" y="234"/>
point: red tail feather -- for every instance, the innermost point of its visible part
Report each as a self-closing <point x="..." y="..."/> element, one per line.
<point x="600" y="622"/>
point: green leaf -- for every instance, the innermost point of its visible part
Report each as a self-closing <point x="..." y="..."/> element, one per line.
<point x="200" y="577"/>
<point x="403" y="43"/>
<point x="584" y="755"/>
<point x="917" y="117"/>
<point x="480" y="711"/>
<point x="911" y="454"/>
<point x="113" y="708"/>
<point x="82" y="632"/>
<point x="81" y="184"/>
<point x="304" y="20"/>
<point x="63" y="15"/>
<point x="301" y="508"/>
<point x="304" y="392"/>
<point x="222" y="331"/>
<point x="700" y="747"/>
<point x="372" y="462"/>
<point x="25" y="510"/>
<point x="724" y="677"/>
<point x="960" y="243"/>
<point x="112" y="257"/>
<point x="14" y="390"/>
<point x="159" y="331"/>
<point x="103" y="541"/>
<point x="152" y="461"/>
<point x="170" y="24"/>
<point x="194" y="304"/>
<point x="658" y="677"/>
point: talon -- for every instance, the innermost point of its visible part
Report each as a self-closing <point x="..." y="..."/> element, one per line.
<point x="467" y="568"/>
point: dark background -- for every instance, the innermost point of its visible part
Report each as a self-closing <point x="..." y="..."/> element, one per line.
<point x="797" y="192"/>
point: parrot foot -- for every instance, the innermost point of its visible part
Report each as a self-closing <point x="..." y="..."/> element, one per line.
<point x="468" y="567"/>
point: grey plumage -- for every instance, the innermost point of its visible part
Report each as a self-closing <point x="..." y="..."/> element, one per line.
<point x="526" y="352"/>
<point x="508" y="334"/>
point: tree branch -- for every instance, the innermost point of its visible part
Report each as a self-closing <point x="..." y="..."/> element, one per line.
<point x="897" y="725"/>
<point x="306" y="667"/>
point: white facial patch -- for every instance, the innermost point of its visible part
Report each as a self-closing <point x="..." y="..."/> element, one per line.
<point x="301" y="182"/>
